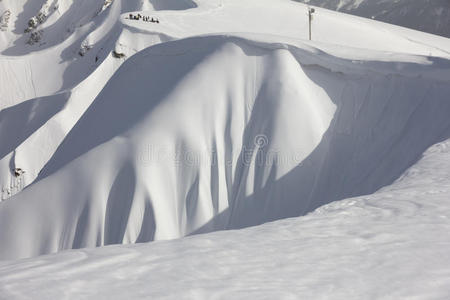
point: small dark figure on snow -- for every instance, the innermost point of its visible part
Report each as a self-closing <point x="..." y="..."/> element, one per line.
<point x="18" y="172"/>
<point x="117" y="54"/>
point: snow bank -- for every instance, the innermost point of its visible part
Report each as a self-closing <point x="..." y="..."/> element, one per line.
<point x="223" y="132"/>
<point x="392" y="244"/>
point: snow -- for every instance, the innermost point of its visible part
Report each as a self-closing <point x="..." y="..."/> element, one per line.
<point x="21" y="75"/>
<point x="222" y="116"/>
<point x="69" y="28"/>
<point x="390" y="245"/>
<point x="186" y="157"/>
<point x="431" y="16"/>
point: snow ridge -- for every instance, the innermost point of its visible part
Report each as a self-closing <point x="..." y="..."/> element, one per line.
<point x="431" y="16"/>
<point x="279" y="131"/>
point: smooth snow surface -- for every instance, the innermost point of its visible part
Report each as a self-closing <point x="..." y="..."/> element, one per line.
<point x="431" y="16"/>
<point x="390" y="245"/>
<point x="222" y="115"/>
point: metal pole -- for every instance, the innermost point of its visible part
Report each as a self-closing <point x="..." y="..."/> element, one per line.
<point x="310" y="17"/>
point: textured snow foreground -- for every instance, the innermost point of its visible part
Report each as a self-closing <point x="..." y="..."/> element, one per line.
<point x="155" y="131"/>
<point x="393" y="244"/>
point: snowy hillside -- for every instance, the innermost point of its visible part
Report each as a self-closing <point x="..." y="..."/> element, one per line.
<point x="431" y="16"/>
<point x="77" y="79"/>
<point x="390" y="245"/>
<point x="133" y="121"/>
<point x="274" y="131"/>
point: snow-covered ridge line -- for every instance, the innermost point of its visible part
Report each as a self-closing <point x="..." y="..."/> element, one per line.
<point x="229" y="120"/>
<point x="56" y="116"/>
<point x="381" y="63"/>
<point x="68" y="33"/>
<point x="306" y="54"/>
<point x="432" y="16"/>
<point x="326" y="136"/>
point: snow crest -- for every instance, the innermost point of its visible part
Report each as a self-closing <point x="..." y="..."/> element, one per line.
<point x="234" y="133"/>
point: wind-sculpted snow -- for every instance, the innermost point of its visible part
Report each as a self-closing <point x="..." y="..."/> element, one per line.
<point x="69" y="40"/>
<point x="131" y="121"/>
<point x="33" y="129"/>
<point x="392" y="244"/>
<point x="79" y="42"/>
<point x="224" y="132"/>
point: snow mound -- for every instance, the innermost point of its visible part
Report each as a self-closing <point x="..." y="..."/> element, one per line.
<point x="33" y="129"/>
<point x="225" y="132"/>
<point x="392" y="244"/>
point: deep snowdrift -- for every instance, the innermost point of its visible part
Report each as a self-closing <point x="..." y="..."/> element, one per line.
<point x="391" y="245"/>
<point x="223" y="132"/>
<point x="32" y="130"/>
<point x="102" y="27"/>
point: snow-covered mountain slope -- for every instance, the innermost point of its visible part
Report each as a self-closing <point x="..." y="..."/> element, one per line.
<point x="390" y="245"/>
<point x="246" y="124"/>
<point x="225" y="132"/>
<point x="33" y="129"/>
<point x="73" y="38"/>
<point x="431" y="16"/>
<point x="109" y="30"/>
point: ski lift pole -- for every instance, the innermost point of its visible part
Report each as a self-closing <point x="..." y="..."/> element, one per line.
<point x="310" y="17"/>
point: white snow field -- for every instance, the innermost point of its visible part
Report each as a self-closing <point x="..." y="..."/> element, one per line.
<point x="393" y="244"/>
<point x="235" y="132"/>
<point x="77" y="80"/>
<point x="221" y="116"/>
<point x="431" y="16"/>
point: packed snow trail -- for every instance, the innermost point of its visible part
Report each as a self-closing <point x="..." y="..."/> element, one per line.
<point x="225" y="132"/>
<point x="393" y="244"/>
